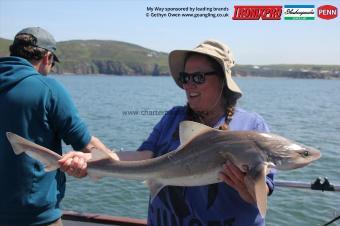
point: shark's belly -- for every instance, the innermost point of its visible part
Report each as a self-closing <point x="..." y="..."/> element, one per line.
<point x="197" y="179"/>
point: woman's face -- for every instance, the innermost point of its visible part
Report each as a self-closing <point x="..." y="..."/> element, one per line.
<point x="205" y="97"/>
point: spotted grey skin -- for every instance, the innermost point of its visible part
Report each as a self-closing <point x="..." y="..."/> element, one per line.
<point x="196" y="161"/>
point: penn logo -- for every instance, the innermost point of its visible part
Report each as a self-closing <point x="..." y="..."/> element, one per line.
<point x="327" y="12"/>
<point x="257" y="12"/>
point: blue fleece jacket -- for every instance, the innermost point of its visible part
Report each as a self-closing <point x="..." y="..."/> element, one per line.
<point x="38" y="108"/>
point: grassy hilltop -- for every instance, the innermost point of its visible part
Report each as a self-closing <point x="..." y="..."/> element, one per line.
<point x="121" y="58"/>
<point x="104" y="57"/>
<point x="4" y="44"/>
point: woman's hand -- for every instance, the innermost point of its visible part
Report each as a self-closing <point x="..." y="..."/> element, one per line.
<point x="234" y="177"/>
<point x="74" y="163"/>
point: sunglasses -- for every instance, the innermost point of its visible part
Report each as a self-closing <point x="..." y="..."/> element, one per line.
<point x="197" y="77"/>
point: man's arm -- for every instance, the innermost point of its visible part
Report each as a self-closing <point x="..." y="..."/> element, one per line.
<point x="74" y="163"/>
<point x="94" y="143"/>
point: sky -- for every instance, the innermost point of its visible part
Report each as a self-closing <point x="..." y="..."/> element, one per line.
<point x="252" y="42"/>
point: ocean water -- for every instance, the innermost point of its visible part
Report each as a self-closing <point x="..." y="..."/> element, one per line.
<point x="122" y="111"/>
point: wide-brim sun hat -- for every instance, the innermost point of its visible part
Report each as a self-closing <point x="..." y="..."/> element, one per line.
<point x="212" y="48"/>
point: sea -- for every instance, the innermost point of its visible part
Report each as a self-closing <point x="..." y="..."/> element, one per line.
<point x="122" y="111"/>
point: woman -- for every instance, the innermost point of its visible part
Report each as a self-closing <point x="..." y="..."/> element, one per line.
<point x="204" y="74"/>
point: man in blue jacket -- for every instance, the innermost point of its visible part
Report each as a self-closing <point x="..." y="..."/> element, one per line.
<point x="39" y="109"/>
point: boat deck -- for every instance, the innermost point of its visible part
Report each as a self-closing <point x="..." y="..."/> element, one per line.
<point x="71" y="218"/>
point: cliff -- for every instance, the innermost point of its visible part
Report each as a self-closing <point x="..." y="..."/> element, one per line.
<point x="121" y="58"/>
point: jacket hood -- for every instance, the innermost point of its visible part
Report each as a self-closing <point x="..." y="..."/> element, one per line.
<point x="13" y="70"/>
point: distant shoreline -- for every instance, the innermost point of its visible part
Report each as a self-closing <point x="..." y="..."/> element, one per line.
<point x="83" y="57"/>
<point x="136" y="76"/>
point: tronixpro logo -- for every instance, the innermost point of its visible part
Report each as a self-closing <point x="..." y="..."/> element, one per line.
<point x="327" y="12"/>
<point x="257" y="12"/>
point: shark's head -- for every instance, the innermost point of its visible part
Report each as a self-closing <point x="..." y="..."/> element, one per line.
<point x="287" y="154"/>
<point x="299" y="156"/>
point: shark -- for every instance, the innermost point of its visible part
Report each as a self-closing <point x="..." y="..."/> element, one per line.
<point x="197" y="161"/>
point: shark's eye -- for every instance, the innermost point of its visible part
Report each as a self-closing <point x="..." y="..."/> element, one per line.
<point x="305" y="153"/>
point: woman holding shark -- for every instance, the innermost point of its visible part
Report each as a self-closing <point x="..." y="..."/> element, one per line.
<point x="204" y="73"/>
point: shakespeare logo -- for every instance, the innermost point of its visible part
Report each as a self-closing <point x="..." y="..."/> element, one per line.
<point x="299" y="12"/>
<point x="257" y="12"/>
<point x="327" y="12"/>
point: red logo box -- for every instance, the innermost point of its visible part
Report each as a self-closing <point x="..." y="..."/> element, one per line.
<point x="327" y="12"/>
<point x="257" y="12"/>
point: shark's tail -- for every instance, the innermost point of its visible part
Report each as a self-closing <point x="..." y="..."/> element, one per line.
<point x="47" y="157"/>
<point x="14" y="140"/>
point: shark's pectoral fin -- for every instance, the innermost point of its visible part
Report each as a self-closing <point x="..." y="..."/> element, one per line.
<point x="257" y="187"/>
<point x="155" y="187"/>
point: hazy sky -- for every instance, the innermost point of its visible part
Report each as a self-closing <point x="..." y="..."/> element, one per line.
<point x="252" y="42"/>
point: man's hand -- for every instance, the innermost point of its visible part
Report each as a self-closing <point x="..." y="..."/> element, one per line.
<point x="74" y="163"/>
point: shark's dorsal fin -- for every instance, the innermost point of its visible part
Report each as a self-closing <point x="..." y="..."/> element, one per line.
<point x="99" y="154"/>
<point x="188" y="130"/>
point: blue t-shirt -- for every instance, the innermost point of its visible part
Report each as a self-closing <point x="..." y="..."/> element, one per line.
<point x="213" y="205"/>
<point x="38" y="108"/>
